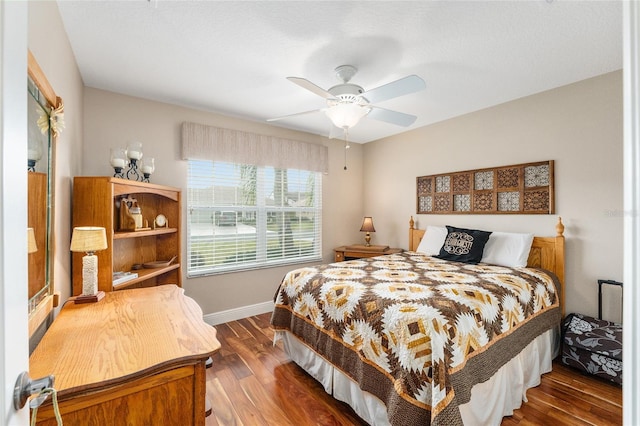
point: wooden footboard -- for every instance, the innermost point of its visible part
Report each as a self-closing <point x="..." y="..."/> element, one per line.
<point x="546" y="252"/>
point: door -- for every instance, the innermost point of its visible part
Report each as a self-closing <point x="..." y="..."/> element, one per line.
<point x="13" y="206"/>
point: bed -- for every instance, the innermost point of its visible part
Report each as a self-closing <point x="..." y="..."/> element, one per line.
<point x="412" y="339"/>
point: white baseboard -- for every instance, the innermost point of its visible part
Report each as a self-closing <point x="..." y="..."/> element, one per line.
<point x="238" y="313"/>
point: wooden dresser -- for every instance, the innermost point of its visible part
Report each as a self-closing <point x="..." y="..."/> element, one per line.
<point x="137" y="357"/>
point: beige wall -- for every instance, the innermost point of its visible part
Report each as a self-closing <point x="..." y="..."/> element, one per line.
<point x="579" y="126"/>
<point x="49" y="44"/>
<point x="111" y="120"/>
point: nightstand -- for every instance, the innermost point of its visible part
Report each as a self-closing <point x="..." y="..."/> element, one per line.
<point x="358" y="251"/>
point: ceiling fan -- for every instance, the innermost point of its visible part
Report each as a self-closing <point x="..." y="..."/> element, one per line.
<point x="347" y="103"/>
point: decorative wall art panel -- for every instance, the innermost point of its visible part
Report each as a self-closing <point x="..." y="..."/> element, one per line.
<point x="521" y="188"/>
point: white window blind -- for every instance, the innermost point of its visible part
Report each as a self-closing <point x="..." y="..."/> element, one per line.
<point x="246" y="216"/>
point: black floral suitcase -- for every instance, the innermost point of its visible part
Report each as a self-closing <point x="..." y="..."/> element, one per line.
<point x="593" y="345"/>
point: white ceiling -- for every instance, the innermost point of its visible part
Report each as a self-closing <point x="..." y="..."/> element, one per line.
<point x="233" y="57"/>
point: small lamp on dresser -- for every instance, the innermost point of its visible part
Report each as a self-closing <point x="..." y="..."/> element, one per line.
<point x="367" y="226"/>
<point x="89" y="239"/>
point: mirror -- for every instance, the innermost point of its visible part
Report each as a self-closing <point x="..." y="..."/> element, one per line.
<point x="42" y="103"/>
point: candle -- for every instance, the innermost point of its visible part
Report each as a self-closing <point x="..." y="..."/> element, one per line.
<point x="147" y="166"/>
<point x="33" y="154"/>
<point x="134" y="155"/>
<point x="117" y="162"/>
<point x="134" y="150"/>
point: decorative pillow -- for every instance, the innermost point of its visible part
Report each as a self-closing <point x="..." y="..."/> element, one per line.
<point x="508" y="249"/>
<point x="433" y="240"/>
<point x="464" y="245"/>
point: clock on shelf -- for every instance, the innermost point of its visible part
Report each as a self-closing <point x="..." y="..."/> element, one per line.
<point x="160" y="221"/>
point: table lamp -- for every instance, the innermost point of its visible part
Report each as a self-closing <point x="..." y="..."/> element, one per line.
<point x="367" y="226"/>
<point x="89" y="239"/>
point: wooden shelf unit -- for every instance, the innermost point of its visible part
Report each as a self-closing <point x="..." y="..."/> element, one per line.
<point x="96" y="203"/>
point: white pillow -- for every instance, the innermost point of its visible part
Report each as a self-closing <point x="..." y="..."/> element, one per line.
<point x="507" y="249"/>
<point x="433" y="240"/>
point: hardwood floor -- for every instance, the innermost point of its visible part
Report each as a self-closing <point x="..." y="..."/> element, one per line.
<point x="253" y="382"/>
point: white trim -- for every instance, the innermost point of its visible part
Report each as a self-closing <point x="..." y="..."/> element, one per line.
<point x="631" y="315"/>
<point x="14" y="329"/>
<point x="238" y="313"/>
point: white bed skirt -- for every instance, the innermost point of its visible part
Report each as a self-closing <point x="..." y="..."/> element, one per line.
<point x="490" y="401"/>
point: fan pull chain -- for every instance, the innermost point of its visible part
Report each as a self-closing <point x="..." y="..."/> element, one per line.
<point x="345" y="156"/>
<point x="346" y="145"/>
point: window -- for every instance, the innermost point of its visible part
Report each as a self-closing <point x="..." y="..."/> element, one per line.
<point x="245" y="216"/>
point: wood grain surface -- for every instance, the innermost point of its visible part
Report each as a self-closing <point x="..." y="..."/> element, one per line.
<point x="136" y="357"/>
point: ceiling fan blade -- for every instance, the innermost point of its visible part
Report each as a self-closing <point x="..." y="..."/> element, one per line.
<point x="306" y="84"/>
<point x="403" y="86"/>
<point x="393" y="117"/>
<point x="294" y="115"/>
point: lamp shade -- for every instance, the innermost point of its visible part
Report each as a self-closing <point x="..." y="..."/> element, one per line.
<point x="32" y="247"/>
<point x="367" y="225"/>
<point x="346" y="115"/>
<point x="88" y="239"/>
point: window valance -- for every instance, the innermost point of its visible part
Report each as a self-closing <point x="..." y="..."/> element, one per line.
<point x="235" y="146"/>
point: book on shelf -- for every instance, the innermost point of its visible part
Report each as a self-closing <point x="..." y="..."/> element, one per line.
<point x="123" y="277"/>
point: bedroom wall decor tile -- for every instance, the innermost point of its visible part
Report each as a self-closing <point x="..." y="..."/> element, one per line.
<point x="462" y="182"/>
<point x="462" y="202"/>
<point x="520" y="188"/>
<point x="484" y="180"/>
<point x="443" y="183"/>
<point x="442" y="203"/>
<point x="508" y="178"/>
<point x="426" y="204"/>
<point x="483" y="202"/>
<point x="424" y="186"/>
<point x="509" y="201"/>
<point x="536" y="176"/>
<point x="536" y="200"/>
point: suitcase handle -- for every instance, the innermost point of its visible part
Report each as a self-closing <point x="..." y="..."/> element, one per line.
<point x="612" y="282"/>
<point x="600" y="282"/>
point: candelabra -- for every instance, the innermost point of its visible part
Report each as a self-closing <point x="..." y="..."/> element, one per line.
<point x="131" y="159"/>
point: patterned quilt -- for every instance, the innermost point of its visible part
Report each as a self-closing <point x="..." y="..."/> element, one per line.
<point x="416" y="331"/>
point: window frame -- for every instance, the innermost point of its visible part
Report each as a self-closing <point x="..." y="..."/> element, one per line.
<point x="262" y="213"/>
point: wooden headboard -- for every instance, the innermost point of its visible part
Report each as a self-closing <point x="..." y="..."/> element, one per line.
<point x="546" y="252"/>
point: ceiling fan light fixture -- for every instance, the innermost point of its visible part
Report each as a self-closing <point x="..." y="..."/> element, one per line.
<point x="346" y="115"/>
<point x="347" y="103"/>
